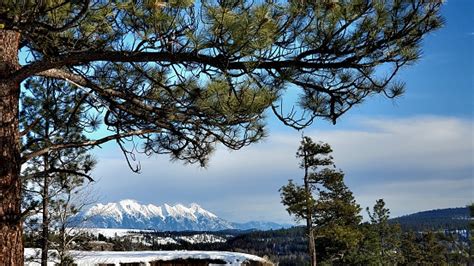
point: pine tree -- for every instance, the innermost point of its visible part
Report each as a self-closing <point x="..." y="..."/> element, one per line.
<point x="47" y="177"/>
<point x="185" y="75"/>
<point x="433" y="251"/>
<point x="387" y="236"/>
<point x="324" y="203"/>
<point x="337" y="219"/>
<point x="411" y="250"/>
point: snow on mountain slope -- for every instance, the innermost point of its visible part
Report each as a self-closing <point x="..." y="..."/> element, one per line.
<point x="131" y="214"/>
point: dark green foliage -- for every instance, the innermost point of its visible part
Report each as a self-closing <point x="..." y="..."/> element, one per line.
<point x="183" y="74"/>
<point x="337" y="220"/>
<point x="412" y="253"/>
<point x="432" y="250"/>
<point x="285" y="246"/>
<point x="442" y="219"/>
<point x="387" y="236"/>
<point x="424" y="248"/>
<point x="368" y="250"/>
<point x="324" y="202"/>
<point x="317" y="164"/>
<point x="381" y="241"/>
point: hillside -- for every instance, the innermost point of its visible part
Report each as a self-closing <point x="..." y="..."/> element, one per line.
<point x="439" y="219"/>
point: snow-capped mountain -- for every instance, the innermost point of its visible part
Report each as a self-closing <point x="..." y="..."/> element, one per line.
<point x="132" y="215"/>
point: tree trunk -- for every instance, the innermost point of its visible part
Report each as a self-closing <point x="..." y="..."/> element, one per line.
<point x="45" y="196"/>
<point x="309" y="213"/>
<point x="45" y="222"/>
<point x="312" y="247"/>
<point x="11" y="243"/>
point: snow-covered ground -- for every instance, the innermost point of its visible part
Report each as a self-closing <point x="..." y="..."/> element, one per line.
<point x="92" y="258"/>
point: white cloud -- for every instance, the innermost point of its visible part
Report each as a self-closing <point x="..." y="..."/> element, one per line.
<point x="419" y="142"/>
<point x="407" y="161"/>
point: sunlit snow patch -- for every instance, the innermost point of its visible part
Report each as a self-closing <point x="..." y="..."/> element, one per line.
<point x="93" y="258"/>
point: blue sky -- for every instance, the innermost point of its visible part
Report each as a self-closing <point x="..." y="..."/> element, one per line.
<point x="416" y="152"/>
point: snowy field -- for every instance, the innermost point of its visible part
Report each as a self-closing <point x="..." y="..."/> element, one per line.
<point x="92" y="258"/>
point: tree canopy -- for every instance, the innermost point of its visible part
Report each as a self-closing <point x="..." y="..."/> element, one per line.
<point x="325" y="203"/>
<point x="182" y="75"/>
<point x="199" y="72"/>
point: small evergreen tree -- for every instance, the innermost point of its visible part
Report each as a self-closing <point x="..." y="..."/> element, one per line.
<point x="433" y="251"/>
<point x="411" y="249"/>
<point x="323" y="202"/>
<point x="337" y="219"/>
<point x="364" y="253"/>
<point x="387" y="236"/>
<point x="46" y="120"/>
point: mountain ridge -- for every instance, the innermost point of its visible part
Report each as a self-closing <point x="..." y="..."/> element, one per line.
<point x="130" y="214"/>
<point x="435" y="219"/>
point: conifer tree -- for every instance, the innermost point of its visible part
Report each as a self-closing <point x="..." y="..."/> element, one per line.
<point x="48" y="177"/>
<point x="411" y="250"/>
<point x="183" y="75"/>
<point x="387" y="236"/>
<point x="433" y="251"/>
<point x="337" y="220"/>
<point x="324" y="203"/>
<point x="365" y="253"/>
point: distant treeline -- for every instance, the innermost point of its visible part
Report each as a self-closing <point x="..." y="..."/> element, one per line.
<point x="440" y="219"/>
<point x="289" y="246"/>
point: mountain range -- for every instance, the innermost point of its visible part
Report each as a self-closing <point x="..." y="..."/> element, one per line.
<point x="130" y="214"/>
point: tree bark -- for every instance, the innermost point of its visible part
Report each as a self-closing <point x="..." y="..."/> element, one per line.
<point x="45" y="222"/>
<point x="312" y="247"/>
<point x="11" y="243"/>
<point x="309" y="214"/>
<point x="45" y="196"/>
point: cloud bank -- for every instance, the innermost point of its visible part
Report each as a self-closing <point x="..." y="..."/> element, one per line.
<point x="414" y="163"/>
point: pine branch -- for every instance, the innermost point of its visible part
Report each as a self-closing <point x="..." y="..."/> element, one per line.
<point x="89" y="143"/>
<point x="218" y="62"/>
<point x="30" y="127"/>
